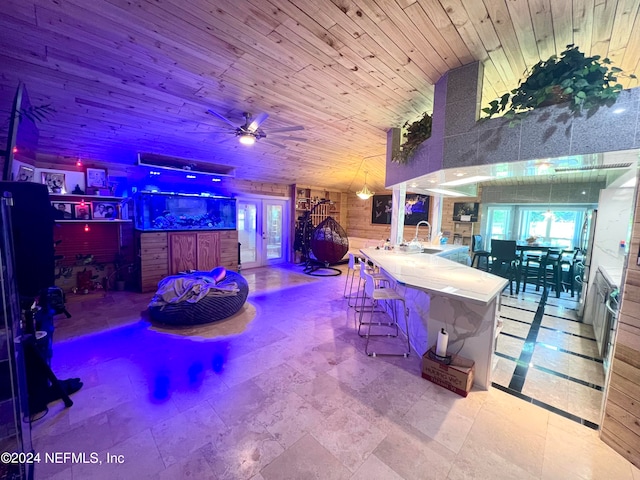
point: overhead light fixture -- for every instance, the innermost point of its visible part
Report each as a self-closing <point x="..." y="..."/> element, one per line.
<point x="365" y="193"/>
<point x="247" y="139"/>
<point x="447" y="193"/>
<point x="459" y="174"/>
<point x="464" y="181"/>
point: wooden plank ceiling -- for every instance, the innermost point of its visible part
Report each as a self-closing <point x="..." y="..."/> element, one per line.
<point x="126" y="76"/>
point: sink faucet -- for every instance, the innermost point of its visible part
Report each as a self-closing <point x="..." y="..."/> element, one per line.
<point x="418" y="226"/>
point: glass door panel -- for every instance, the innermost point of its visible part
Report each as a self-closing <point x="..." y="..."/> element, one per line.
<point x="262" y="231"/>
<point x="248" y="233"/>
<point x="274" y="216"/>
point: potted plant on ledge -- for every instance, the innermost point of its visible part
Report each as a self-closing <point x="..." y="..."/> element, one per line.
<point x="417" y="132"/>
<point x="580" y="81"/>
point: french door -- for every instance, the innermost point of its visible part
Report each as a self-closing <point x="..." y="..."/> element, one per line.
<point x="263" y="226"/>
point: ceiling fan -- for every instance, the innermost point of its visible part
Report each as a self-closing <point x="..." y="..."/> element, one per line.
<point x="251" y="132"/>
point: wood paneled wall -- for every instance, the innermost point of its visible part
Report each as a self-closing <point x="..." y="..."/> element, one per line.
<point x="359" y="219"/>
<point x="621" y="423"/>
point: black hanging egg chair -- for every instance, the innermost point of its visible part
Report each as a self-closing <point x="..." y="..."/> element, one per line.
<point x="322" y="246"/>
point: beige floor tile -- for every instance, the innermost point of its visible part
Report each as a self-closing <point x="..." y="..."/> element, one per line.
<point x="307" y="458"/>
<point x="547" y="388"/>
<point x="585" y="402"/>
<point x="492" y="466"/>
<point x="289" y="418"/>
<point x="413" y="455"/>
<point x="524" y="415"/>
<point x="375" y="469"/>
<point x="442" y="424"/>
<point x="509" y="346"/>
<point x="179" y="436"/>
<point x="135" y="457"/>
<point x="515" y="328"/>
<point x="589" y="458"/>
<point x="348" y="436"/>
<point x="522" y="447"/>
<point x="240" y="452"/>
<point x="193" y="467"/>
<point x="502" y="371"/>
<point x="568" y="326"/>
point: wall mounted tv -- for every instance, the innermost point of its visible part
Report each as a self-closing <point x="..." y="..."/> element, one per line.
<point x="416" y="209"/>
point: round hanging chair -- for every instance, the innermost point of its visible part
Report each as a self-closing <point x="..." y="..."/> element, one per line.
<point x="329" y="242"/>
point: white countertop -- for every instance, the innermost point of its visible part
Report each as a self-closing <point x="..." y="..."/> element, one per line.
<point x="613" y="275"/>
<point x="433" y="273"/>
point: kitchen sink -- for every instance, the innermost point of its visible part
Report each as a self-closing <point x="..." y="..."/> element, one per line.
<point x="431" y="250"/>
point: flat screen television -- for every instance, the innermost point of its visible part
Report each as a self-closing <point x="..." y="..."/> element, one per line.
<point x="416" y="209"/>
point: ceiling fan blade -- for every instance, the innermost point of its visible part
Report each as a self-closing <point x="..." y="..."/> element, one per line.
<point x="224" y="140"/>
<point x="286" y="129"/>
<point x="294" y="139"/>
<point x="224" y="119"/>
<point x="257" y="121"/>
<point x="275" y="144"/>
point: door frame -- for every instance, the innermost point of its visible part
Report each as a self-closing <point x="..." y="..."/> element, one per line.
<point x="262" y="201"/>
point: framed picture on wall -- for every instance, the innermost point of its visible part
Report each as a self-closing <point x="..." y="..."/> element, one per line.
<point x="25" y="174"/>
<point x="107" y="210"/>
<point x="465" y="211"/>
<point x="96" y="177"/>
<point x="82" y="212"/>
<point x="381" y="209"/>
<point x="54" y="181"/>
<point x="64" y="211"/>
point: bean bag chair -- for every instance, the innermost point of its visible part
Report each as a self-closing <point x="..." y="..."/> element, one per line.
<point x="198" y="297"/>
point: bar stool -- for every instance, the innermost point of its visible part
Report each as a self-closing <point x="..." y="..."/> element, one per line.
<point x="351" y="271"/>
<point x="387" y="295"/>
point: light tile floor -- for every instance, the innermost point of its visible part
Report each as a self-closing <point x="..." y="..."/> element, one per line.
<point x="292" y="396"/>
<point x="564" y="369"/>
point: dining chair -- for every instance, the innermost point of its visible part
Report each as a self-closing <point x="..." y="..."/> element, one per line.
<point x="479" y="253"/>
<point x="505" y="262"/>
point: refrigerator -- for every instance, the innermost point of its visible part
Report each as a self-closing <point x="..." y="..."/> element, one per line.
<point x="587" y="234"/>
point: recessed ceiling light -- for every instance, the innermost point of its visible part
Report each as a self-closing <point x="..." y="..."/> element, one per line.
<point x="464" y="181"/>
<point x="584" y="193"/>
<point x="619" y="110"/>
<point x="449" y="193"/>
<point x="459" y="174"/>
<point x="432" y="181"/>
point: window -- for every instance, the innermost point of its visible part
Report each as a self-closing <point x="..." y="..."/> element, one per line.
<point x="499" y="223"/>
<point x="556" y="226"/>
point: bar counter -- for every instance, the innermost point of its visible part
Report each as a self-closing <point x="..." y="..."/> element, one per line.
<point x="440" y="293"/>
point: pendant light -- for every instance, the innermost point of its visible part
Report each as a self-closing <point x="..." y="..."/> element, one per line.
<point x="364" y="193"/>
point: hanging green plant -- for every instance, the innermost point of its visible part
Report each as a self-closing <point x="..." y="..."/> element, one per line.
<point x="580" y="81"/>
<point x="416" y="133"/>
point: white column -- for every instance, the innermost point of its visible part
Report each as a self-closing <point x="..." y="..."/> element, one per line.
<point x="436" y="216"/>
<point x="397" y="213"/>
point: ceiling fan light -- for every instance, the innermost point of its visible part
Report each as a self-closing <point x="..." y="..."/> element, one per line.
<point x="247" y="139"/>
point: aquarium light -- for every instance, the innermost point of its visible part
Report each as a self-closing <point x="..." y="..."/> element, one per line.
<point x="216" y="179"/>
<point x="153" y="172"/>
<point x="191" y="176"/>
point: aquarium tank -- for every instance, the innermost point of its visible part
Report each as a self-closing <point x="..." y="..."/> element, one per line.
<point x="156" y="211"/>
